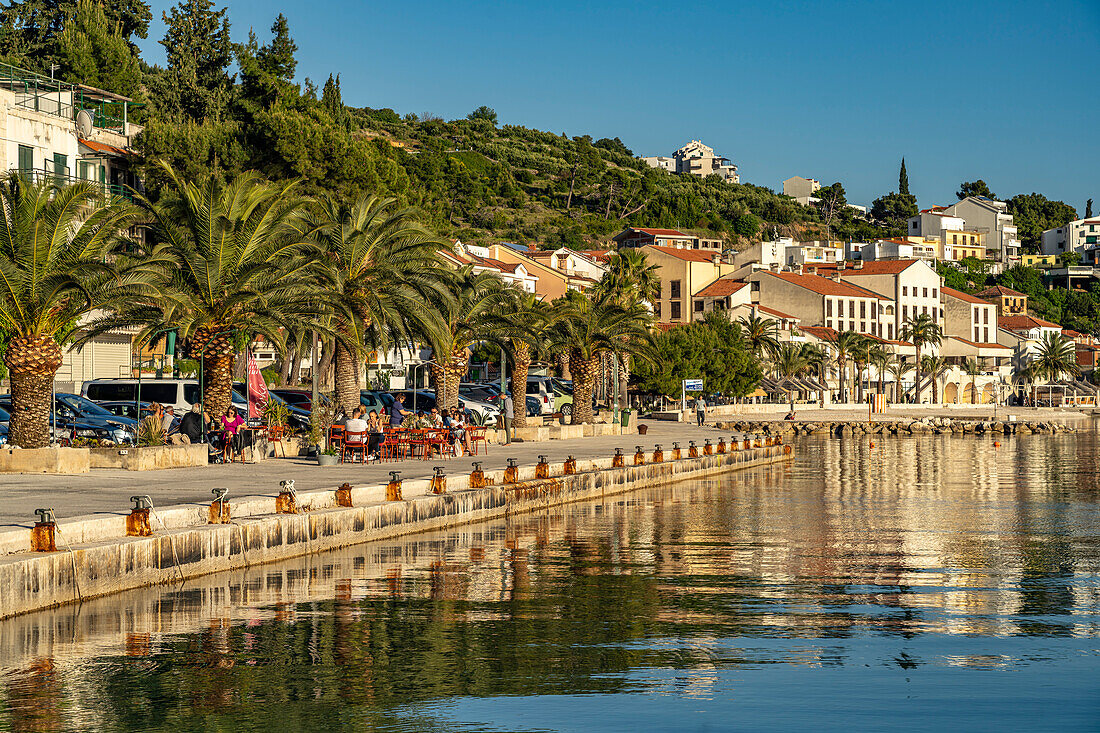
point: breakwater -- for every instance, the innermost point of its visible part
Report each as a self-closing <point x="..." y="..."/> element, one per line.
<point x="33" y="581"/>
<point x="928" y="426"/>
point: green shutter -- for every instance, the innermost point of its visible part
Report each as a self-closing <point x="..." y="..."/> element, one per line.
<point x="26" y="158"/>
<point x="60" y="166"/>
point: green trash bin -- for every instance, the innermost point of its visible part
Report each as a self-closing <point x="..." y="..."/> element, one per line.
<point x="624" y="418"/>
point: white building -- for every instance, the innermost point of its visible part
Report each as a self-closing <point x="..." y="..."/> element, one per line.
<point x="801" y="189"/>
<point x="895" y="249"/>
<point x="814" y="253"/>
<point x="912" y="286"/>
<point x="990" y="218"/>
<point x="696" y="159"/>
<point x="1081" y="236"/>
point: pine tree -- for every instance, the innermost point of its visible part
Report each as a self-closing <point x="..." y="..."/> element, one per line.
<point x="903" y="180"/>
<point x="277" y="57"/>
<point x="267" y="72"/>
<point x="1088" y="208"/>
<point x="199" y="53"/>
<point x="91" y="51"/>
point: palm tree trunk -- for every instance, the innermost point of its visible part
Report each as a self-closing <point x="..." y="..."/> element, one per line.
<point x="347" y="375"/>
<point x="520" y="365"/>
<point x="563" y="364"/>
<point x="841" y="362"/>
<point x="216" y="352"/>
<point x="32" y="362"/>
<point x="624" y="379"/>
<point x="453" y="371"/>
<point x="288" y="364"/>
<point x="584" y="381"/>
<point x="324" y="368"/>
<point x="917" y="385"/>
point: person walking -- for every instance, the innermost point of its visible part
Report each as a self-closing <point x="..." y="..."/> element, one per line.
<point x="700" y="410"/>
<point x="509" y="414"/>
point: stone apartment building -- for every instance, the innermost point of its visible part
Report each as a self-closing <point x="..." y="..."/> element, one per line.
<point x="683" y="273"/>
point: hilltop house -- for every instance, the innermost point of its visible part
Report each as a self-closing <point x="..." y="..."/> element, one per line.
<point x="696" y="159"/>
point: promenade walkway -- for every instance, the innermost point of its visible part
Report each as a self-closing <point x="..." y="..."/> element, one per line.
<point x="109" y="490"/>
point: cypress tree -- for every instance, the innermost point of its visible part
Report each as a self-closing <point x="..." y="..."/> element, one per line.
<point x="1088" y="208"/>
<point x="903" y="180"/>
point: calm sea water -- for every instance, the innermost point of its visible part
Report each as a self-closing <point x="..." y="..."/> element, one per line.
<point x="924" y="584"/>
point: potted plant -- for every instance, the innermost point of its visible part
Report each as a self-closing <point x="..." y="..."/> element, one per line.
<point x="328" y="457"/>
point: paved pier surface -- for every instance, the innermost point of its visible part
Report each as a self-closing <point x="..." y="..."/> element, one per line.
<point x="109" y="490"/>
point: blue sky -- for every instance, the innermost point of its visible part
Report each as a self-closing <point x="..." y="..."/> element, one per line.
<point x="1006" y="91"/>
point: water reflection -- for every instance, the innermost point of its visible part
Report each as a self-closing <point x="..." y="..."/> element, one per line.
<point x="854" y="566"/>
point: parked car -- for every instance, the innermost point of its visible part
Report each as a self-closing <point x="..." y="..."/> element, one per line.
<point x="127" y="409"/>
<point x="300" y="398"/>
<point x="76" y="417"/>
<point x="375" y="400"/>
<point x="478" y="413"/>
<point x="180" y="393"/>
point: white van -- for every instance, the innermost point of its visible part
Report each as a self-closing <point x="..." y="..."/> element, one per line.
<point x="179" y="393"/>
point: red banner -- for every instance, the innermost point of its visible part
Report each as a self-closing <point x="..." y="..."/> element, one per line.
<point x="257" y="389"/>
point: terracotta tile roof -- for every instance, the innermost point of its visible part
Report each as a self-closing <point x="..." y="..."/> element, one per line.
<point x="691" y="255"/>
<point x="103" y="148"/>
<point x="873" y="267"/>
<point x="822" y="332"/>
<point x="825" y="285"/>
<point x="960" y="295"/>
<point x="997" y="290"/>
<point x="1024" y="323"/>
<point x="598" y="255"/>
<point x="497" y="264"/>
<point x="664" y="233"/>
<point x="721" y="288"/>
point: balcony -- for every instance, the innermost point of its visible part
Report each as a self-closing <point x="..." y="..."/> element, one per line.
<point x="64" y="177"/>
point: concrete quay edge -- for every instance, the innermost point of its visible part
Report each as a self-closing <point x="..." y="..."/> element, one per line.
<point x="110" y="564"/>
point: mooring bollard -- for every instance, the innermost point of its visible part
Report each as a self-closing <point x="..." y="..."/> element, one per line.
<point x="542" y="468"/>
<point x="393" y="488"/>
<point x="639" y="457"/>
<point x="693" y="452"/>
<point x="343" y="495"/>
<point x="617" y="459"/>
<point x="570" y="466"/>
<point x="721" y="445"/>
<point x="510" y="472"/>
<point x="287" y="500"/>
<point x="137" y="522"/>
<point x="477" y="476"/>
<point x="658" y="454"/>
<point x="439" y="481"/>
<point x="759" y="442"/>
<point x="675" y="451"/>
<point x="219" y="508"/>
<point x="708" y="449"/>
<point x="747" y="444"/>
<point x="42" y="534"/>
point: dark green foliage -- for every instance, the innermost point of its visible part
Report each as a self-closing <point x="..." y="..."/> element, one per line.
<point x="484" y="114"/>
<point x="903" y="180"/>
<point x="974" y="188"/>
<point x="1033" y="213"/>
<point x="91" y="51"/>
<point x="1088" y="209"/>
<point x="894" y="209"/>
<point x="196" y="84"/>
<point x="267" y="71"/>
<point x="29" y="29"/>
<point x="746" y="225"/>
<point x="712" y="349"/>
<point x="614" y="145"/>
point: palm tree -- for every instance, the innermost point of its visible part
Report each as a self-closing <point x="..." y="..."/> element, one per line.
<point x="384" y="274"/>
<point x="760" y="333"/>
<point x="972" y="369"/>
<point x="1055" y="357"/>
<point x="861" y="355"/>
<point x="56" y="255"/>
<point x="630" y="280"/>
<point x="523" y="324"/>
<point x="788" y="362"/>
<point x="880" y="358"/>
<point x="817" y="360"/>
<point x="846" y="344"/>
<point x="469" y="310"/>
<point x="921" y="331"/>
<point x="898" y="369"/>
<point x="239" y="265"/>
<point x="935" y="366"/>
<point x="588" y="326"/>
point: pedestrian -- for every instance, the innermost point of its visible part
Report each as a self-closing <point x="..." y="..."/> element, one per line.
<point x="509" y="414"/>
<point x="700" y="409"/>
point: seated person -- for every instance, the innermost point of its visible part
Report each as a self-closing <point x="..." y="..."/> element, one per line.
<point x="457" y="425"/>
<point x="356" y="423"/>
<point x="231" y="427"/>
<point x="375" y="436"/>
<point x="191" y="426"/>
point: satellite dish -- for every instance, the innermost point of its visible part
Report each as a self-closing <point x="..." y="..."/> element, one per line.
<point x="84" y="123"/>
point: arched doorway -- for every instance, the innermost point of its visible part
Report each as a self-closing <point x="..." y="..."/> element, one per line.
<point x="951" y="394"/>
<point x="987" y="393"/>
<point x="968" y="394"/>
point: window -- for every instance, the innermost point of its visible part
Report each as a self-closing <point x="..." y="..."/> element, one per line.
<point x="874" y="309"/>
<point x="828" y="307"/>
<point x="986" y="332"/>
<point x="657" y="310"/>
<point x="675" y="310"/>
<point x="675" y="289"/>
<point x="863" y="309"/>
<point x="924" y="310"/>
<point x="60" y="165"/>
<point x="905" y="290"/>
<point x="863" y="326"/>
<point x="954" y="239"/>
<point x="985" y="312"/>
<point x="890" y="329"/>
<point x="925" y="293"/>
<point x="26" y="158"/>
<point x="829" y="323"/>
<point x="975" y="333"/>
<point x="933" y="292"/>
<point x="904" y="313"/>
<point x="851" y="309"/>
<point x="698" y="306"/>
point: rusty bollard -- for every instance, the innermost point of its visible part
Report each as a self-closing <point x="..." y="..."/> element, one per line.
<point x="675" y="451"/>
<point x="708" y="449"/>
<point x="393" y="488"/>
<point x="658" y="454"/>
<point x="542" y="468"/>
<point x="510" y="473"/>
<point x="617" y="459"/>
<point x="439" y="481"/>
<point x="570" y="466"/>
<point x="219" y="508"/>
<point x="693" y="452"/>
<point x="639" y="456"/>
<point x="759" y="443"/>
<point x="42" y="534"/>
<point x="721" y="448"/>
<point x="747" y="444"/>
<point x="137" y="522"/>
<point x="287" y="500"/>
<point x="477" y="476"/>
<point x="343" y="495"/>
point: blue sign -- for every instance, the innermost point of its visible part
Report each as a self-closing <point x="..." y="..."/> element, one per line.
<point x="693" y="385"/>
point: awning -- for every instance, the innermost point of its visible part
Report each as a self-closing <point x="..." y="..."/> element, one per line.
<point x="105" y="149"/>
